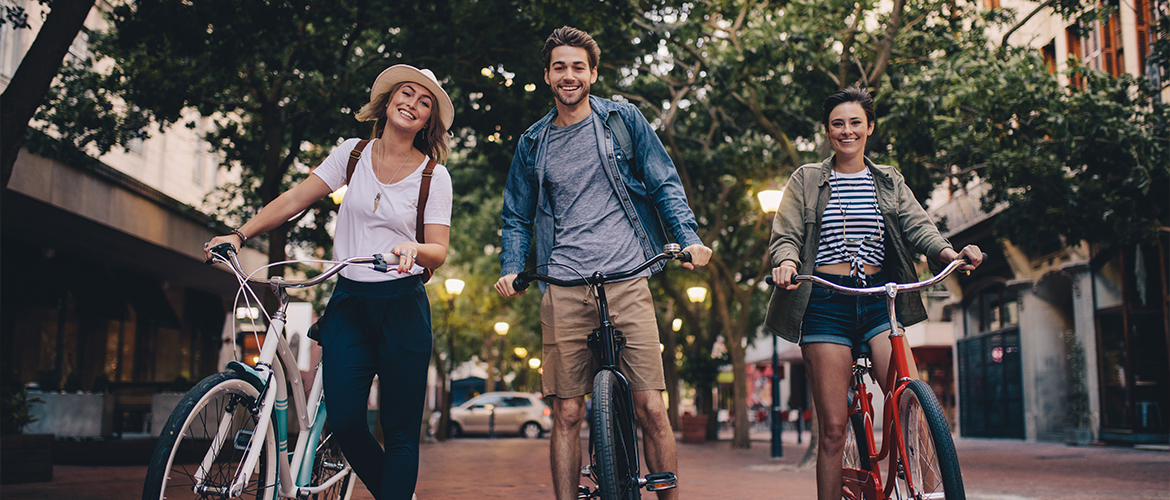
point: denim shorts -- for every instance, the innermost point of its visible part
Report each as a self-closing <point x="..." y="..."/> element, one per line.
<point x="836" y="318"/>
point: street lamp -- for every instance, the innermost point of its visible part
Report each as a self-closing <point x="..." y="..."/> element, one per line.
<point x="770" y="200"/>
<point x="501" y="328"/>
<point x="454" y="287"/>
<point x="520" y="352"/>
<point x="534" y="363"/>
<point x="769" y="203"/>
<point x="697" y="294"/>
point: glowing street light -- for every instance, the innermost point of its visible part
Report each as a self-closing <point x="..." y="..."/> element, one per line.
<point x="534" y="363"/>
<point x="501" y="328"/>
<point x="770" y="200"/>
<point x="454" y="286"/>
<point x="520" y="352"/>
<point x="676" y="325"/>
<point x="697" y="294"/>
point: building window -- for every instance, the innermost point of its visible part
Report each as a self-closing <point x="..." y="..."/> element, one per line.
<point x="1130" y="298"/>
<point x="993" y="309"/>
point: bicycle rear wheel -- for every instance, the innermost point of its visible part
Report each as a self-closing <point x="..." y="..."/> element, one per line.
<point x="615" y="458"/>
<point x="206" y="436"/>
<point x="327" y="462"/>
<point x="931" y="461"/>
<point x="857" y="481"/>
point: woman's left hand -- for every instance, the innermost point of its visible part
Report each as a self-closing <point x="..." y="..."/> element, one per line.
<point x="970" y="252"/>
<point x="407" y="252"/>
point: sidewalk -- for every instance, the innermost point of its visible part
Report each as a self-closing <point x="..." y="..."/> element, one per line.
<point x="517" y="469"/>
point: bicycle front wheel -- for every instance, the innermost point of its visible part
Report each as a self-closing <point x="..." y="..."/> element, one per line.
<point x="931" y="461"/>
<point x="204" y="443"/>
<point x="615" y="457"/>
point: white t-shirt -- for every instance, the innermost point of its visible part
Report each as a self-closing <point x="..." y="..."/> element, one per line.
<point x="365" y="230"/>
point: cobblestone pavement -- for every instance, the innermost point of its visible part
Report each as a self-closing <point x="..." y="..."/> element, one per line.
<point x="517" y="469"/>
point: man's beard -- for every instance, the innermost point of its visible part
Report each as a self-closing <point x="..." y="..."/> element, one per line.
<point x="582" y="94"/>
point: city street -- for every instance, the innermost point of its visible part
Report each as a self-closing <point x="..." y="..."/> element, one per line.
<point x="515" y="468"/>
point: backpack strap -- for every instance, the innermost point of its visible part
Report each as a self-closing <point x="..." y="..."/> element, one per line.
<point x="424" y="192"/>
<point x="354" y="156"/>
<point x="622" y="133"/>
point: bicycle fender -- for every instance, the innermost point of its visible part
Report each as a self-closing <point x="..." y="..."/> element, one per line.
<point x="247" y="373"/>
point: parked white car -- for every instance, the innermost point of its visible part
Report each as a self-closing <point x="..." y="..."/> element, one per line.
<point x="515" y="413"/>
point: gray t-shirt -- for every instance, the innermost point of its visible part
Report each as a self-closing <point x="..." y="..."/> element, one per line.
<point x="592" y="232"/>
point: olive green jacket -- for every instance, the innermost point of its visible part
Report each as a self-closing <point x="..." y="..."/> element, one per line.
<point x="796" y="234"/>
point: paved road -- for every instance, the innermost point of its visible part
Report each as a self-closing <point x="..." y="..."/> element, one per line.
<point x="518" y="469"/>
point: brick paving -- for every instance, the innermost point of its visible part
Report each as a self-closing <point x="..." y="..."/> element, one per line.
<point x="517" y="469"/>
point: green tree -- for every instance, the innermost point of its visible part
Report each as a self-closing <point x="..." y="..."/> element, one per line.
<point x="1066" y="165"/>
<point x="29" y="84"/>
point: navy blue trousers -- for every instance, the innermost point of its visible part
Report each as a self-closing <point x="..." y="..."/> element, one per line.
<point x="384" y="329"/>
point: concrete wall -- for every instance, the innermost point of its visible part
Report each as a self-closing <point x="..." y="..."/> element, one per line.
<point x="72" y="415"/>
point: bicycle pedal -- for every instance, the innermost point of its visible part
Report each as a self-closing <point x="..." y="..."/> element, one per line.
<point x="583" y="492"/>
<point x="659" y="481"/>
<point x="586" y="471"/>
<point x="243" y="437"/>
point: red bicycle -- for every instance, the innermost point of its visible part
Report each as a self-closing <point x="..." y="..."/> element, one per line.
<point x="916" y="439"/>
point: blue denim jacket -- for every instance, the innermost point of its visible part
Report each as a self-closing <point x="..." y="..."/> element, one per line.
<point x="651" y="194"/>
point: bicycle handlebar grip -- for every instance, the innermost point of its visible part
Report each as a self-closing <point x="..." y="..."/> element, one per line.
<point x="967" y="261"/>
<point x="684" y="256"/>
<point x="223" y="250"/>
<point x="521" y="282"/>
<point x="769" y="280"/>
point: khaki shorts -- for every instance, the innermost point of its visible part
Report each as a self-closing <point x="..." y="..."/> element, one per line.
<point x="569" y="315"/>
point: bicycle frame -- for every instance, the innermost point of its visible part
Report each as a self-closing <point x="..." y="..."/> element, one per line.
<point x="606" y="342"/>
<point x="272" y="375"/>
<point x="898" y="377"/>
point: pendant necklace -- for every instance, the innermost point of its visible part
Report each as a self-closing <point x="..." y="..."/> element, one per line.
<point x="378" y="196"/>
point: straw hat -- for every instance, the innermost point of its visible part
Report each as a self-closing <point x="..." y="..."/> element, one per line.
<point x="426" y="78"/>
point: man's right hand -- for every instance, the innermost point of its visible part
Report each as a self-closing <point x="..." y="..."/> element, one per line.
<point x="504" y="286"/>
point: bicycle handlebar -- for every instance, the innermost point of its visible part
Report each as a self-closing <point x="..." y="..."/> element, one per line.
<point x="226" y="253"/>
<point x="672" y="251"/>
<point x="880" y="290"/>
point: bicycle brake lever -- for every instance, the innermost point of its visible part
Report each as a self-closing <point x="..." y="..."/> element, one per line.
<point x="223" y="251"/>
<point x="380" y="264"/>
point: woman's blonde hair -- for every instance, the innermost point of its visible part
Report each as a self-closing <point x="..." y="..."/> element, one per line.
<point x="431" y="140"/>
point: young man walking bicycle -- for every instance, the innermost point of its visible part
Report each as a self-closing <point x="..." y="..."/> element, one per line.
<point x="592" y="187"/>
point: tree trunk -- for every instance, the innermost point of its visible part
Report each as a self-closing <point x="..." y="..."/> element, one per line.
<point x="31" y="81"/>
<point x="670" y="368"/>
<point x="742" y="437"/>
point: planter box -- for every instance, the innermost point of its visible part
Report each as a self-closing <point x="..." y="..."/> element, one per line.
<point x="1078" y="437"/>
<point x="694" y="428"/>
<point x="26" y="458"/>
<point x="73" y="415"/>
<point x="161" y="406"/>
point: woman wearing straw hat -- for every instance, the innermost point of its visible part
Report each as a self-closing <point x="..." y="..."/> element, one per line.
<point x="379" y="323"/>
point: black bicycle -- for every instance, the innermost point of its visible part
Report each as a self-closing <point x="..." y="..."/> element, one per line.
<point x="613" y="446"/>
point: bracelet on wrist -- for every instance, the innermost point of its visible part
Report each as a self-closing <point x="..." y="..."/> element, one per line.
<point x="239" y="234"/>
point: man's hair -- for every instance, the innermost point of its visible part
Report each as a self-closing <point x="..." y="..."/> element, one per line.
<point x="856" y="95"/>
<point x="572" y="37"/>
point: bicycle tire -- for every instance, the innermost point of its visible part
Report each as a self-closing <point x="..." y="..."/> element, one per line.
<point x="327" y="461"/>
<point x="931" y="459"/>
<point x="857" y="482"/>
<point x="187" y="437"/>
<point x="615" y="459"/>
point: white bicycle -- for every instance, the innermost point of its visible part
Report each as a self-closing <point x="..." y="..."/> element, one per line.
<point x="229" y="436"/>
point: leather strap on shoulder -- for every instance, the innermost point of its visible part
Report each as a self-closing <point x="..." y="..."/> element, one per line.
<point x="354" y="156"/>
<point x="424" y="192"/>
